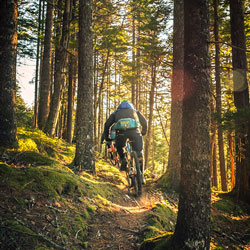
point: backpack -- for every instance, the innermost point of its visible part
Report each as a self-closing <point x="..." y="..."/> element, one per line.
<point x="112" y="134"/>
<point x="126" y="123"/>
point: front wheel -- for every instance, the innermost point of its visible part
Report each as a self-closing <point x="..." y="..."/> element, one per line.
<point x="137" y="180"/>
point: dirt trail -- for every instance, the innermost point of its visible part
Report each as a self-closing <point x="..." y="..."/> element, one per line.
<point x="121" y="228"/>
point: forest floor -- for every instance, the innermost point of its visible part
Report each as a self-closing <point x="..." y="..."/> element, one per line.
<point x="122" y="226"/>
<point x="45" y="205"/>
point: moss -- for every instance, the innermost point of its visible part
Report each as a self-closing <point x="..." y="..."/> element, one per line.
<point x="85" y="245"/>
<point x="228" y="206"/>
<point x="85" y="214"/>
<point x="34" y="158"/>
<point x="80" y="227"/>
<point x="160" y="220"/>
<point x="55" y="182"/>
<point x="91" y="209"/>
<point x="221" y="218"/>
<point x="218" y="248"/>
<point x="18" y="227"/>
<point x="20" y="201"/>
<point x="5" y="170"/>
<point x="35" y="140"/>
<point x="160" y="242"/>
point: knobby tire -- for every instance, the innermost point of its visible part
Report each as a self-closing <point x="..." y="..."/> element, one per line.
<point x="137" y="181"/>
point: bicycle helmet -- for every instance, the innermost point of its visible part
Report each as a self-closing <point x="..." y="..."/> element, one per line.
<point x="126" y="105"/>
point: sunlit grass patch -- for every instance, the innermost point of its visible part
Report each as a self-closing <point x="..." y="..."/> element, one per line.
<point x="35" y="140"/>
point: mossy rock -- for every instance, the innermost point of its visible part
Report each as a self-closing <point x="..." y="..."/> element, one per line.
<point x="160" y="220"/>
<point x="161" y="242"/>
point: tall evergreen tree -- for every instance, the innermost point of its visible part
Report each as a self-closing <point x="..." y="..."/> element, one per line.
<point x="60" y="61"/>
<point x="174" y="160"/>
<point x="193" y="222"/>
<point x="8" y="48"/>
<point x="218" y="98"/>
<point x="84" y="156"/>
<point x="241" y="98"/>
<point x="45" y="80"/>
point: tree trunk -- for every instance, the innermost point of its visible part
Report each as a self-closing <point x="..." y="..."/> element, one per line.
<point x="60" y="61"/>
<point x="133" y="82"/>
<point x="45" y="81"/>
<point x="172" y="179"/>
<point x="241" y="99"/>
<point x="213" y="149"/>
<point x="193" y="221"/>
<point x="231" y="156"/>
<point x="151" y="111"/>
<point x="71" y="97"/>
<point x="99" y="101"/>
<point x="8" y="48"/>
<point x="218" y="99"/>
<point x="84" y="156"/>
<point x="37" y="63"/>
<point x="95" y="96"/>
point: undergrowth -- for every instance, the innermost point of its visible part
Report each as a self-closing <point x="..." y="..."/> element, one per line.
<point x="46" y="204"/>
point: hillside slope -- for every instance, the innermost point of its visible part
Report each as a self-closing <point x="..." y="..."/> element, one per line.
<point x="45" y="205"/>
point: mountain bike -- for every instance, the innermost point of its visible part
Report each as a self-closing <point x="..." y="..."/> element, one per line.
<point x="113" y="156"/>
<point x="133" y="172"/>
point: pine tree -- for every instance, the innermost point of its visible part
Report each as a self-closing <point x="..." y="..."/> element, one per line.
<point x="193" y="222"/>
<point x="84" y="156"/>
<point x="8" y="48"/>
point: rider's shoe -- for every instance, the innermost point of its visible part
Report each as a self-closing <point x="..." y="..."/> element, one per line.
<point x="123" y="164"/>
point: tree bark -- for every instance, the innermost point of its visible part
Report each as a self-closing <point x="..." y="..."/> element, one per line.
<point x="172" y="179"/>
<point x="193" y="221"/>
<point x="218" y="99"/>
<point x="213" y="149"/>
<point x="151" y="113"/>
<point x="241" y="99"/>
<point x="45" y="81"/>
<point x="8" y="48"/>
<point x="231" y="156"/>
<point x="71" y="97"/>
<point x="60" y="61"/>
<point x="84" y="156"/>
<point x="37" y="64"/>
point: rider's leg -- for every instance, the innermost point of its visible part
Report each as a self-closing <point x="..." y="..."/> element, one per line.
<point x="110" y="149"/>
<point x="120" y="142"/>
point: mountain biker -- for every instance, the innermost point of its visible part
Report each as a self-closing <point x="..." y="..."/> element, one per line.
<point x="111" y="137"/>
<point x="127" y="121"/>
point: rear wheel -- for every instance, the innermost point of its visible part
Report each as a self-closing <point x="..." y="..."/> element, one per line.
<point x="137" y="176"/>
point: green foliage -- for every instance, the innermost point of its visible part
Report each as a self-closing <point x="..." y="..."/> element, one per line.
<point x="27" y="28"/>
<point x="24" y="115"/>
<point x="233" y="119"/>
<point x="37" y="141"/>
